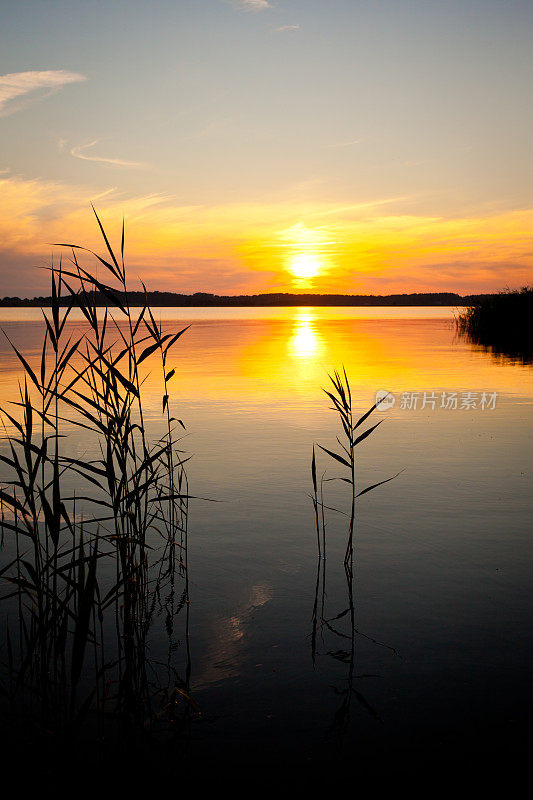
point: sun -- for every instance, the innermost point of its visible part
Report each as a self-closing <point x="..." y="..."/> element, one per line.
<point x="305" y="254"/>
<point x="305" y="265"/>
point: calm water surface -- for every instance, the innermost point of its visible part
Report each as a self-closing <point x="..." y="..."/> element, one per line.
<point x="443" y="552"/>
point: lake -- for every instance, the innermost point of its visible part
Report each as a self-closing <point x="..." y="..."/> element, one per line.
<point x="443" y="556"/>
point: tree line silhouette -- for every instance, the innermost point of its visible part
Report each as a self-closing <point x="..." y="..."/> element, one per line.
<point x="155" y="298"/>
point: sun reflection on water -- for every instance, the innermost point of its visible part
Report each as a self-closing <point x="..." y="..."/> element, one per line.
<point x="305" y="343"/>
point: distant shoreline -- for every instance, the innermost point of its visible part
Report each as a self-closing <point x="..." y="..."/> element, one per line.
<point x="158" y="299"/>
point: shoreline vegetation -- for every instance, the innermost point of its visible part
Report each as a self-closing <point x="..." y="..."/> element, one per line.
<point x="501" y="322"/>
<point x="159" y="299"/>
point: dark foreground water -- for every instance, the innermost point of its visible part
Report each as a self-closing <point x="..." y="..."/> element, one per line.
<point x="442" y="587"/>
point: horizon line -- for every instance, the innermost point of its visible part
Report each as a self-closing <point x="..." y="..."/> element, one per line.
<point x="210" y="298"/>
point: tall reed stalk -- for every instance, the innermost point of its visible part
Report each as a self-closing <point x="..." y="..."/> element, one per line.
<point x="340" y="628"/>
<point x="105" y="556"/>
<point x="341" y="397"/>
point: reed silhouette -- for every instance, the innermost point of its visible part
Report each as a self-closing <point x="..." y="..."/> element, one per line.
<point x="341" y="397"/>
<point x="92" y="569"/>
<point x="335" y="635"/>
<point x="501" y="324"/>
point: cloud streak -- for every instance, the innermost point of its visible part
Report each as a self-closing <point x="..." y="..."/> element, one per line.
<point x="346" y="144"/>
<point x="16" y="86"/>
<point x="79" y="152"/>
<point x="251" y="5"/>
<point x="285" y="28"/>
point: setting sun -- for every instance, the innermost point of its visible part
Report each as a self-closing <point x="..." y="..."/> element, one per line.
<point x="305" y="265"/>
<point x="306" y="247"/>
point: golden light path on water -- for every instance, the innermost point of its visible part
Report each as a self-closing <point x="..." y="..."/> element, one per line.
<point x="236" y="355"/>
<point x="305" y="342"/>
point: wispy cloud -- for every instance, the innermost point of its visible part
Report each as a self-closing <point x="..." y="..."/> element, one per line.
<point x="251" y="5"/>
<point x="16" y="86"/>
<point x="346" y="144"/>
<point x="285" y="28"/>
<point x="80" y="152"/>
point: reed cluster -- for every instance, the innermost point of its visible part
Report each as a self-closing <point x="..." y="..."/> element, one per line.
<point x="501" y="322"/>
<point x="97" y="540"/>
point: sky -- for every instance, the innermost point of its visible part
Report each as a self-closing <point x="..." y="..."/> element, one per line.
<point x="352" y="146"/>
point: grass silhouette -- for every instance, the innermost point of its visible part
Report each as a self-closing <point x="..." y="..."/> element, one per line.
<point x="113" y="554"/>
<point x="501" y="323"/>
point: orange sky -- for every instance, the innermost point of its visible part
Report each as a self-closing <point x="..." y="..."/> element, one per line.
<point x="258" y="146"/>
<point x="251" y="247"/>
